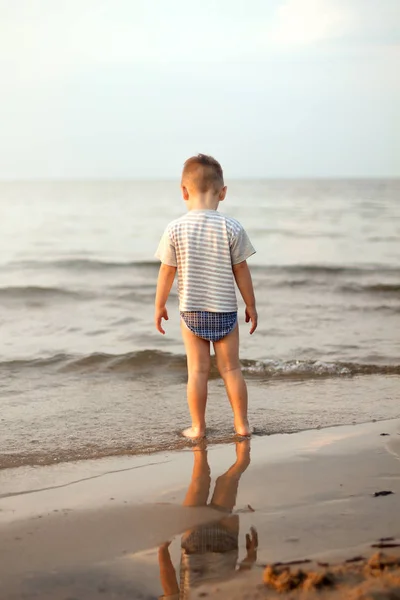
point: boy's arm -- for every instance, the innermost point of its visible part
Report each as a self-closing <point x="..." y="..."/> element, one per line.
<point x="251" y="547"/>
<point x="165" y="280"/>
<point x="243" y="280"/>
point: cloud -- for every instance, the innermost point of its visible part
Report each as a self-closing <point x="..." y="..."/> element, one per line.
<point x="302" y="22"/>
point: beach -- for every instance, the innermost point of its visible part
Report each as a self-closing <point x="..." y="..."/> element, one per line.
<point x="100" y="495"/>
<point x="117" y="119"/>
<point x="93" y="529"/>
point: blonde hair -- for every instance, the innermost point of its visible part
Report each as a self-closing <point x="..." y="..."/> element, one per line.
<point x="202" y="173"/>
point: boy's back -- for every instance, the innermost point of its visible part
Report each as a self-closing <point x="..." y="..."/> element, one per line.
<point x="203" y="245"/>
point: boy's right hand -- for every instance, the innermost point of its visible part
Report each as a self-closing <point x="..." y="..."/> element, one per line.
<point x="160" y="314"/>
<point x="251" y="315"/>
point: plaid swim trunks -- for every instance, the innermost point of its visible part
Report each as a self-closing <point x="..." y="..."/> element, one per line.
<point x="210" y="326"/>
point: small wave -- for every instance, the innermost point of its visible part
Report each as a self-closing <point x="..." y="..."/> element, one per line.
<point x="294" y="234"/>
<point x="380" y="308"/>
<point x="382" y="238"/>
<point x="83" y="264"/>
<point x="36" y="293"/>
<point x="155" y="362"/>
<point x="127" y="363"/>
<point x="312" y="369"/>
<point x="331" y="269"/>
<point x="386" y="288"/>
<point x="39" y="363"/>
<point x="378" y="288"/>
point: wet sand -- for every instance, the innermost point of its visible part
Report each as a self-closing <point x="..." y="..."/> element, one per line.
<point x="96" y="529"/>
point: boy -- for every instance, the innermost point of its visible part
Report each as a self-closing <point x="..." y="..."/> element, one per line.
<point x="209" y="251"/>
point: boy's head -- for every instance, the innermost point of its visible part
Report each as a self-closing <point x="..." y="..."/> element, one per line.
<point x="202" y="174"/>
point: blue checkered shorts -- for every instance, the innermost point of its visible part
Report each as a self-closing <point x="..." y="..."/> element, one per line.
<point x="211" y="326"/>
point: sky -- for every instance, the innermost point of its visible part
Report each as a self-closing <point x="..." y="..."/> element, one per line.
<point x="110" y="89"/>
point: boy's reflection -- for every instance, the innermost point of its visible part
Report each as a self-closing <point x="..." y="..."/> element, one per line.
<point x="209" y="551"/>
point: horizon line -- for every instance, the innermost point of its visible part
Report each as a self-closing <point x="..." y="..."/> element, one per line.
<point x="176" y="179"/>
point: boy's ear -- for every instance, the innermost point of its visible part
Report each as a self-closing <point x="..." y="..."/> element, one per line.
<point x="185" y="193"/>
<point x="222" y="193"/>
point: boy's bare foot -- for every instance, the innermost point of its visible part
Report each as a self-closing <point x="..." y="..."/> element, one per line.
<point x="243" y="428"/>
<point x="193" y="433"/>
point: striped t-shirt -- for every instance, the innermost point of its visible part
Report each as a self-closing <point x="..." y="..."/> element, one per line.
<point x="203" y="245"/>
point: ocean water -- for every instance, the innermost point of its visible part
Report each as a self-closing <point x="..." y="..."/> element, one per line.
<point x="84" y="373"/>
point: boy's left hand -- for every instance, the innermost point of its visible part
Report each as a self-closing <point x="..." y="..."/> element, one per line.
<point x="251" y="315"/>
<point x="251" y="547"/>
<point x="160" y="314"/>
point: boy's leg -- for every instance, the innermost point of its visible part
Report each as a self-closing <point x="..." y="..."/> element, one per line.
<point x="199" y="488"/>
<point x="226" y="486"/>
<point x="227" y="355"/>
<point x="198" y="362"/>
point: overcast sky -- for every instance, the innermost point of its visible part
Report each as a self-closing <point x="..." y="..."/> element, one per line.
<point x="130" y="88"/>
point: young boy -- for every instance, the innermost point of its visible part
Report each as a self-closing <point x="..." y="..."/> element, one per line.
<point x="209" y="251"/>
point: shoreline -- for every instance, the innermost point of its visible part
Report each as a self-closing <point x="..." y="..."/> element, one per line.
<point x="42" y="460"/>
<point x="308" y="494"/>
<point x="85" y="432"/>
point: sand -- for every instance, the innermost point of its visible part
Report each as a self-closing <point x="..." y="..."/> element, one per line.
<point x="359" y="577"/>
<point x="93" y="529"/>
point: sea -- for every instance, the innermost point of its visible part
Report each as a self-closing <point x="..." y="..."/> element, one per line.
<point x="85" y="374"/>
